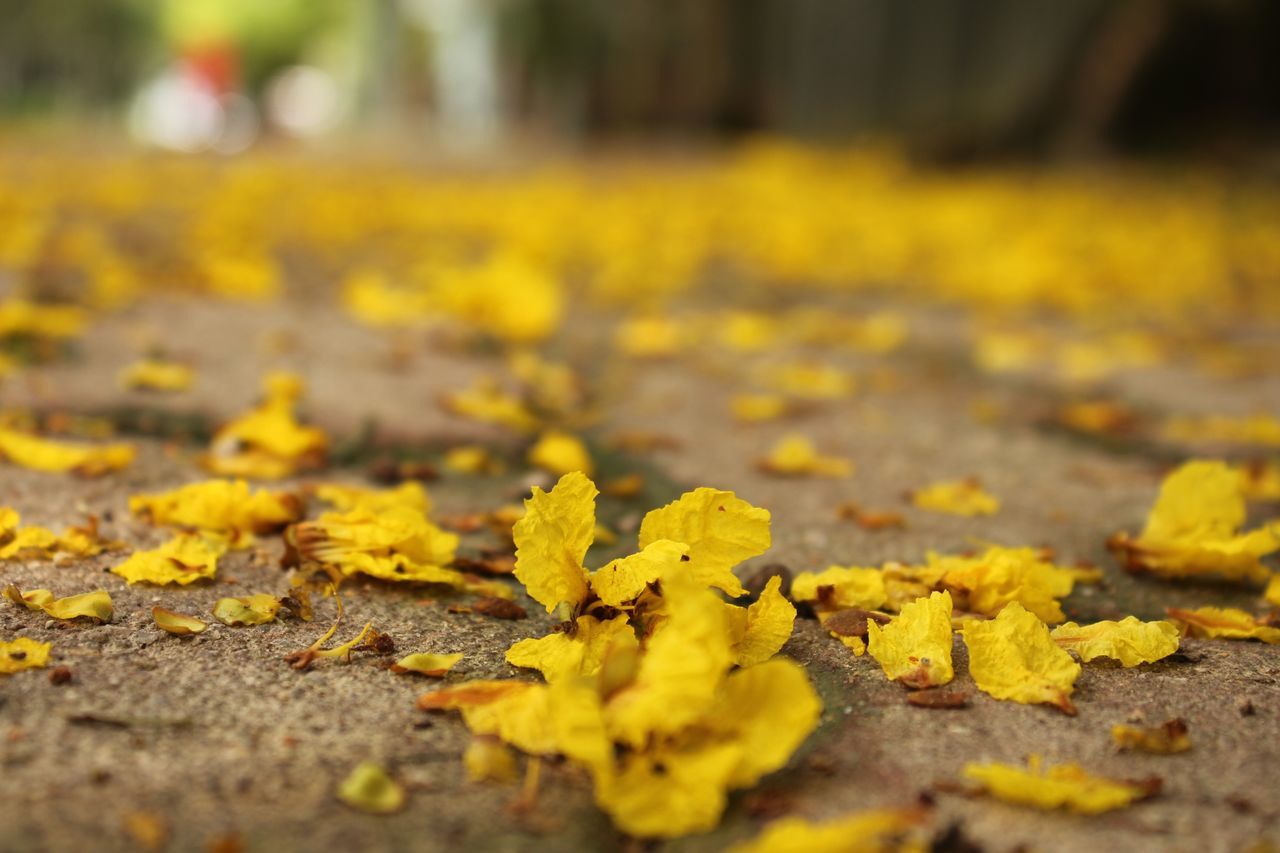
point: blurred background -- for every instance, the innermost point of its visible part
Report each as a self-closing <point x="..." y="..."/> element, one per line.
<point x="949" y="79"/>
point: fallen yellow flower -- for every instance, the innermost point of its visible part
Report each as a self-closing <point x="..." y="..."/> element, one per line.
<point x="60" y="457"/>
<point x="1012" y="657"/>
<point x="94" y="605"/>
<point x="1223" y="623"/>
<point x="184" y="559"/>
<point x="1066" y="786"/>
<point x="369" y="789"/>
<point x="410" y="494"/>
<point x="986" y="583"/>
<point x="394" y="543"/>
<point x="32" y="542"/>
<point x="915" y="648"/>
<point x="1194" y="528"/>
<point x="151" y="374"/>
<point x="559" y="453"/>
<point x="1130" y="641"/>
<point x="839" y="587"/>
<point x="268" y="443"/>
<point x="220" y="506"/>
<point x="956" y="497"/>
<point x="795" y="456"/>
<point x="425" y="663"/>
<point x="23" y="653"/>
<point x="256" y="609"/>
<point x="876" y="831"/>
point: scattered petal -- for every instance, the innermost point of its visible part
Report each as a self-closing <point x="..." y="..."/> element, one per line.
<point x="184" y="559"/>
<point x="1130" y="641"/>
<point x="256" y="609"/>
<point x="177" y="623"/>
<point x="956" y="497"/>
<point x="1012" y="657"/>
<point x="60" y="457"/>
<point x="425" y="663"/>
<point x="915" y="648"/>
<point x="1223" y="623"/>
<point x="23" y="653"/>
<point x="370" y="789"/>
<point x="1066" y="786"/>
<point x="95" y="606"/>
<point x="720" y="529"/>
<point x="1164" y="739"/>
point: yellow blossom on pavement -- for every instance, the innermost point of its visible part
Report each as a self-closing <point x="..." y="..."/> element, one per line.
<point x="1226" y="623"/>
<point x="986" y="583"/>
<point x="268" y="442"/>
<point x="258" y="609"/>
<point x="395" y="543"/>
<point x="344" y="497"/>
<point x="956" y="497"/>
<point x="23" y="653"/>
<point x="1194" y="528"/>
<point x="876" y="831"/>
<point x="838" y="587"/>
<point x="795" y="456"/>
<point x="62" y="457"/>
<point x="1066" y="786"/>
<point x="184" y="559"/>
<point x="1129" y="641"/>
<point x="1165" y="739"/>
<point x="559" y="453"/>
<point x="220" y="506"/>
<point x="915" y="647"/>
<point x="369" y="789"/>
<point x="153" y="374"/>
<point x="425" y="663"/>
<point x="1012" y="657"/>
<point x="177" y="623"/>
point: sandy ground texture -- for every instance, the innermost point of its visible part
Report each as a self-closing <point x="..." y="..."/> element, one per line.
<point x="217" y="742"/>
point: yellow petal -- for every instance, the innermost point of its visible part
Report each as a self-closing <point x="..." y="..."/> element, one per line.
<point x="23" y="653"/>
<point x="184" y="559"/>
<point x="838" y="587"/>
<point x="720" y="529"/>
<point x="795" y="456"/>
<point x="1223" y="622"/>
<point x="177" y="623"/>
<point x="42" y="454"/>
<point x="561" y="453"/>
<point x="488" y="403"/>
<point x="425" y="663"/>
<point x="915" y="648"/>
<point x="1066" y="786"/>
<point x="153" y="374"/>
<point x="1165" y="739"/>
<point x="1012" y="657"/>
<point x="552" y="541"/>
<point x="867" y="832"/>
<point x="1194" y="528"/>
<point x="392" y="543"/>
<point x="256" y="609"/>
<point x="1130" y="641"/>
<point x="343" y="497"/>
<point x="956" y="497"/>
<point x="370" y="789"/>
<point x="986" y="583"/>
<point x="684" y="661"/>
<point x="669" y="794"/>
<point x="760" y="631"/>
<point x="562" y="655"/>
<point x="619" y="583"/>
<point x="94" y="605"/>
<point x="1272" y="592"/>
<point x="267" y="442"/>
<point x="222" y="506"/>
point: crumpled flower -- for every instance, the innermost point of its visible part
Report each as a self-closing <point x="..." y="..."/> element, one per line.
<point x="875" y="831"/>
<point x="220" y="506"/>
<point x="395" y="543"/>
<point x="795" y="456"/>
<point x="695" y="727"/>
<point x="1194" y="528"/>
<point x="560" y="452"/>
<point x="184" y="559"/>
<point x="95" y="605"/>
<point x="1226" y="623"/>
<point x="956" y="497"/>
<point x="23" y="653"/>
<point x="1129" y="641"/>
<point x="33" y="542"/>
<point x="60" y="457"/>
<point x="986" y="583"/>
<point x="703" y="534"/>
<point x="267" y="442"/>
<point x="839" y="587"/>
<point x="1013" y="657"/>
<point x="153" y="374"/>
<point x="1066" y="786"/>
<point x="915" y="648"/>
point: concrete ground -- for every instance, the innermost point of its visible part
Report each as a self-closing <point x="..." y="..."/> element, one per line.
<point x="217" y="742"/>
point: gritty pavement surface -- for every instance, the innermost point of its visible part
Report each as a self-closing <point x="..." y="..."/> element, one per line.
<point x="218" y="740"/>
